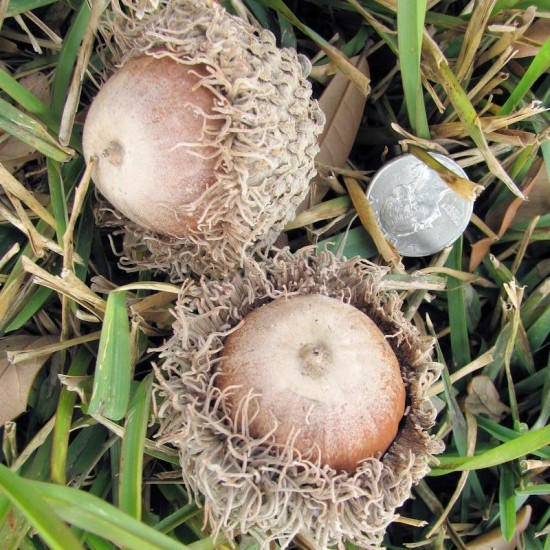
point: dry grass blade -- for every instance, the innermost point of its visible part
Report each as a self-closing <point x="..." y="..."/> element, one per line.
<point x="67" y="285"/>
<point x="440" y="69"/>
<point x="326" y="210"/>
<point x="80" y="195"/>
<point x="508" y="37"/>
<point x="11" y="253"/>
<point x="86" y="48"/>
<point x="490" y="125"/>
<point x="411" y="139"/>
<point x="20" y="356"/>
<point x="461" y="186"/>
<point x="469" y="278"/>
<point x="368" y="219"/>
<point x="372" y="21"/>
<point x="13" y="186"/>
<point x="38" y="242"/>
<point x="477" y="364"/>
<point x="472" y="39"/>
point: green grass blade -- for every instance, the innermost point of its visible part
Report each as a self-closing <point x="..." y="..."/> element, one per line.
<point x="31" y="132"/>
<point x="540" y="329"/>
<point x="544" y="413"/>
<point x="48" y="525"/>
<point x="180" y="516"/>
<point x="458" y="422"/>
<point x="523" y="445"/>
<point x="68" y="57"/>
<point x="96" y="516"/>
<point x="27" y="100"/>
<point x="504" y="434"/>
<point x="97" y="543"/>
<point x="507" y="504"/>
<point x="538" y="66"/>
<point x="356" y="242"/>
<point x="113" y="372"/>
<point x="63" y="418"/>
<point x="58" y="198"/>
<point x="457" y="311"/>
<point x="21" y="6"/>
<point x="410" y="27"/>
<point x="162" y="452"/>
<point x="35" y="303"/>
<point x="132" y="450"/>
<point x="540" y="489"/>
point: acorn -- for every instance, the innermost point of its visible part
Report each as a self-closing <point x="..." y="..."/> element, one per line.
<point x="204" y="137"/>
<point x="322" y="361"/>
<point x="296" y="394"/>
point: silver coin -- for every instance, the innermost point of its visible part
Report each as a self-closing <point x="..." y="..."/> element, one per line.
<point x="416" y="210"/>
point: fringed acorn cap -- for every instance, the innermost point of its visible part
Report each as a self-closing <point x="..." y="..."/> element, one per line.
<point x="258" y="484"/>
<point x="259" y="134"/>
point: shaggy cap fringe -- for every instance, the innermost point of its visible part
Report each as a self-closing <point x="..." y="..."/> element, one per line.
<point x="264" y="151"/>
<point x="254" y="485"/>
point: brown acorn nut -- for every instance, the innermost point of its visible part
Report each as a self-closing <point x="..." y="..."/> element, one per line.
<point x="325" y="375"/>
<point x="137" y="127"/>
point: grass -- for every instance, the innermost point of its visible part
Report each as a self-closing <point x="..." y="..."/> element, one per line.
<point x="81" y="468"/>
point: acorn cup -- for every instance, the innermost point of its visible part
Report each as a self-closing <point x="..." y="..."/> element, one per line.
<point x="296" y="393"/>
<point x="204" y="137"/>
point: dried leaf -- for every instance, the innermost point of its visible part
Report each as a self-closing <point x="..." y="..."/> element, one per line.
<point x="38" y="84"/>
<point x="539" y="199"/>
<point x="343" y="104"/>
<point x="482" y="247"/>
<point x="483" y="398"/>
<point x="514" y="31"/>
<point x="16" y="379"/>
<point x="495" y="540"/>
<point x="531" y="42"/>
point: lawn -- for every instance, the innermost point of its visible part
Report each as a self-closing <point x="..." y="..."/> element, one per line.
<point x="88" y="302"/>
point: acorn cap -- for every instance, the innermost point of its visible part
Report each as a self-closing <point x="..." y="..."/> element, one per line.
<point x="264" y="148"/>
<point x="324" y="374"/>
<point x="251" y="481"/>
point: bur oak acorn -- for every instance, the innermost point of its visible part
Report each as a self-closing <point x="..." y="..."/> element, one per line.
<point x="205" y="134"/>
<point x="324" y="374"/>
<point x="271" y="389"/>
